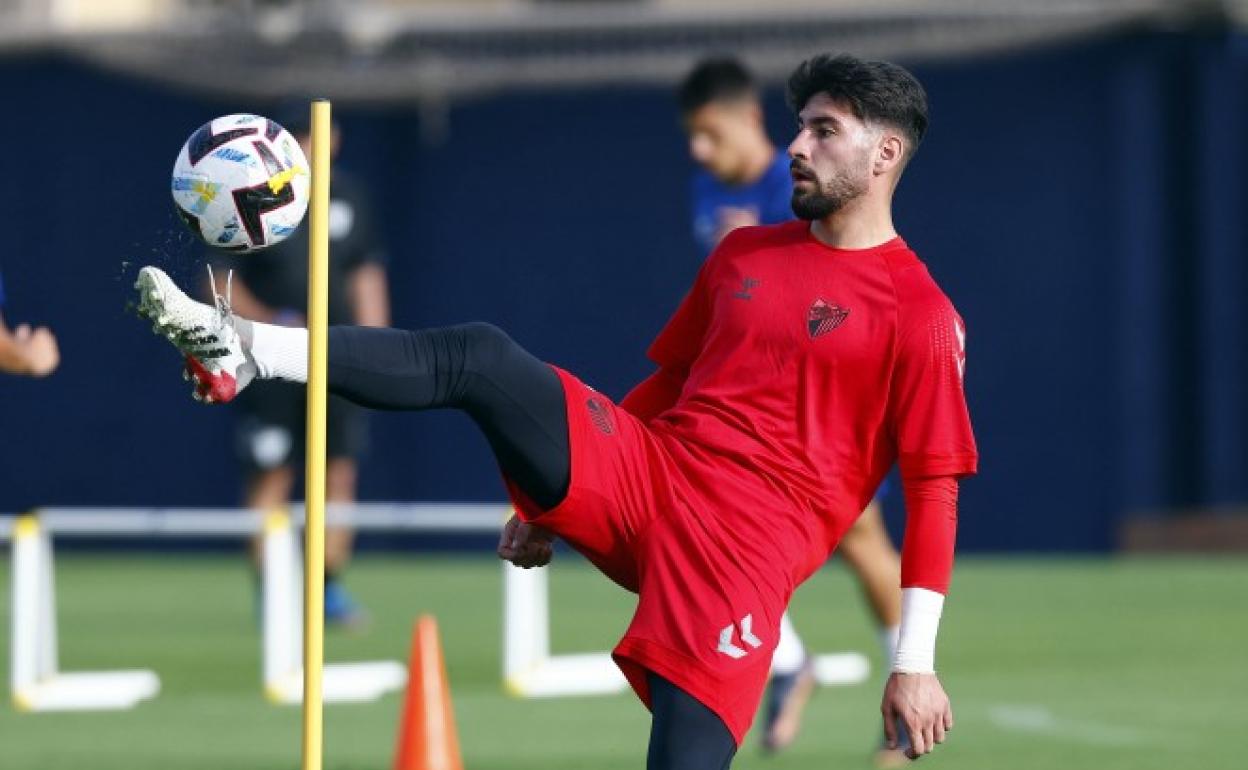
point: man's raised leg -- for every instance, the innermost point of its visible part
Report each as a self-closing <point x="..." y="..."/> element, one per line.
<point x="516" y="400"/>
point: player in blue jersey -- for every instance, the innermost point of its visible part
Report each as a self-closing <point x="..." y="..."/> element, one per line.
<point x="24" y="350"/>
<point x="745" y="180"/>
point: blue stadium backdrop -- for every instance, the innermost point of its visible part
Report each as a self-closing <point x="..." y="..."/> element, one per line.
<point x="1083" y="206"/>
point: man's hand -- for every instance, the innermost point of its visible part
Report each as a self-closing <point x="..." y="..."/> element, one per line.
<point x="525" y="545"/>
<point x="919" y="702"/>
<point x="38" y="347"/>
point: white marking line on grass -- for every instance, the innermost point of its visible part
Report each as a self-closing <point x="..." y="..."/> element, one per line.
<point x="1032" y="718"/>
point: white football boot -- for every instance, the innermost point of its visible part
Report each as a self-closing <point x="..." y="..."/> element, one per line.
<point x="216" y="360"/>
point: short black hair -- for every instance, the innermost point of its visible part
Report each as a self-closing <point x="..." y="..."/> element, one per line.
<point x="718" y="79"/>
<point x="877" y="91"/>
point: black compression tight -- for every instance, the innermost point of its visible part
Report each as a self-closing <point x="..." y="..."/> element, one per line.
<point x="515" y="399"/>
<point x="685" y="734"/>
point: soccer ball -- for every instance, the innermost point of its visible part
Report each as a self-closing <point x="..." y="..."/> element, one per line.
<point x="241" y="183"/>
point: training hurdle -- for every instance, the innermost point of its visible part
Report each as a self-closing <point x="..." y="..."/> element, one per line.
<point x="36" y="681"/>
<point x="529" y="668"/>
<point x="37" y="684"/>
<point x="282" y="634"/>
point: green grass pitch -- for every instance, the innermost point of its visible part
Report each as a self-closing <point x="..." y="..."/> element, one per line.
<point x="1088" y="663"/>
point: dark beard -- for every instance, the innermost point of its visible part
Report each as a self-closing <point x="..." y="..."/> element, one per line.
<point x="828" y="199"/>
<point x="815" y="205"/>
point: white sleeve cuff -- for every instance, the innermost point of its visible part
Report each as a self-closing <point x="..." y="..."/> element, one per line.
<point x="920" y="620"/>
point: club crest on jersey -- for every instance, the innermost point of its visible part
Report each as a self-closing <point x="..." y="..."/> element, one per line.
<point x="823" y="318"/>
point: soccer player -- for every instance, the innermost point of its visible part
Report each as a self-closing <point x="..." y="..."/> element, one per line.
<point x="744" y="180"/>
<point x="26" y="351"/>
<point x="271" y="285"/>
<point x="807" y="358"/>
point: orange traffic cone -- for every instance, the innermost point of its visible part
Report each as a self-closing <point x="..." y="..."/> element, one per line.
<point x="427" y="737"/>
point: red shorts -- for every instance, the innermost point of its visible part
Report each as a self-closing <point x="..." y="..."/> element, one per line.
<point x="709" y="604"/>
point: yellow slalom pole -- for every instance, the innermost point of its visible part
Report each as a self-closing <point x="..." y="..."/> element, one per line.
<point x="318" y="348"/>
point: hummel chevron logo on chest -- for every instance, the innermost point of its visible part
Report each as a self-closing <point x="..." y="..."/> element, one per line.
<point x="746" y="285"/>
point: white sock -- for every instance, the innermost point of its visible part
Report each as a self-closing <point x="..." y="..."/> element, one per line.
<point x="888" y="645"/>
<point x="280" y="352"/>
<point x="790" y="653"/>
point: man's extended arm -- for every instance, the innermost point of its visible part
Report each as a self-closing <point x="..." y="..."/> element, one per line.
<point x="914" y="695"/>
<point x="936" y="447"/>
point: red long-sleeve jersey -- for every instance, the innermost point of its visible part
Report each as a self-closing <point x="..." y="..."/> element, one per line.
<point x="802" y="373"/>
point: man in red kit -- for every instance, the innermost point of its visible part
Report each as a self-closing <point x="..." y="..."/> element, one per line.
<point x="807" y="358"/>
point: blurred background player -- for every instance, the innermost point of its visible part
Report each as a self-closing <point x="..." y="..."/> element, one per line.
<point x="744" y="181"/>
<point x="272" y="284"/>
<point x="26" y="351"/>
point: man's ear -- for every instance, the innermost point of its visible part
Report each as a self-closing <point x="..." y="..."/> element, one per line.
<point x="889" y="153"/>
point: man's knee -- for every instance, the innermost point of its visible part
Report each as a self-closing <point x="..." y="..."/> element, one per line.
<point x="484" y="343"/>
